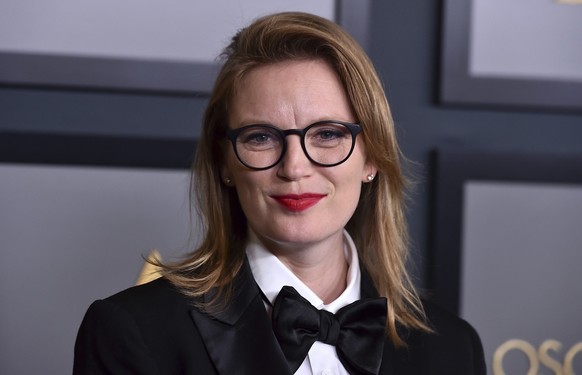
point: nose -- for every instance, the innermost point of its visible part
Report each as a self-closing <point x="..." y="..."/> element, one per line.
<point x="295" y="164"/>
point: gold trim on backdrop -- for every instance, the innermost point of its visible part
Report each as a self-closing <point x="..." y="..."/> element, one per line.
<point x="579" y="2"/>
<point x="149" y="272"/>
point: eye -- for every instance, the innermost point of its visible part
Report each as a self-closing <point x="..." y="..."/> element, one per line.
<point x="328" y="135"/>
<point x="259" y="138"/>
<point x="256" y="137"/>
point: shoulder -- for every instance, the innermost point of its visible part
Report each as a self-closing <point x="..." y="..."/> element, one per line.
<point x="454" y="346"/>
<point x="159" y="294"/>
<point x="448" y="326"/>
<point x="149" y="305"/>
<point x="154" y="308"/>
<point x="148" y="325"/>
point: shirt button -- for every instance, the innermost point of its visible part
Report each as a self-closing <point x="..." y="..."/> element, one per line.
<point x="326" y="372"/>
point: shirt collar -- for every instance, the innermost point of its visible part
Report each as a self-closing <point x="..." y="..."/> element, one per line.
<point x="271" y="275"/>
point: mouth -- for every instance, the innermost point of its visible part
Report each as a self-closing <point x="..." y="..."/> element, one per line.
<point x="298" y="202"/>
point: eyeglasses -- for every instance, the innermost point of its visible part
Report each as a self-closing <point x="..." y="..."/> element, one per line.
<point x="325" y="143"/>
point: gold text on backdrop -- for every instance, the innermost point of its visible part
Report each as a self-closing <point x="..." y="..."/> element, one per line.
<point x="536" y="357"/>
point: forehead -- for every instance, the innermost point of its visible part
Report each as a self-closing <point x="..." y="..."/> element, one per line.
<point x="294" y="90"/>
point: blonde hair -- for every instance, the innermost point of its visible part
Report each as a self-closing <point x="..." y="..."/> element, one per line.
<point x="378" y="225"/>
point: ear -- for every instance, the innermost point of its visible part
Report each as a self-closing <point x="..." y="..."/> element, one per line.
<point x="369" y="172"/>
<point x="226" y="176"/>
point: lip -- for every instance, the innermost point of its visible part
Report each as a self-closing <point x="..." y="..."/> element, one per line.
<point x="298" y="202"/>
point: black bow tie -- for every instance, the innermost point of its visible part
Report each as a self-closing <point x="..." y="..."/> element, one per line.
<point x="357" y="330"/>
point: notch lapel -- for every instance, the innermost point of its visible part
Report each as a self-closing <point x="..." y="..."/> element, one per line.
<point x="367" y="290"/>
<point x="240" y="339"/>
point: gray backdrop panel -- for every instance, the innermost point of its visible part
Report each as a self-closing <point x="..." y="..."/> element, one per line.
<point x="521" y="258"/>
<point x="70" y="235"/>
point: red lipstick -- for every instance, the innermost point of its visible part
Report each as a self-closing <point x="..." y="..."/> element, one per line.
<point x="298" y="202"/>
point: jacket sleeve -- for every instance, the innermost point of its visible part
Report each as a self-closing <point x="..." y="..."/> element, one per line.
<point x="110" y="342"/>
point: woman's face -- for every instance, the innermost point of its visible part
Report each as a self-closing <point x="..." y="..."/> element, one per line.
<point x="295" y="204"/>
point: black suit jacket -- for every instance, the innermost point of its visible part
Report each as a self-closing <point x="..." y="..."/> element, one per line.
<point x="154" y="329"/>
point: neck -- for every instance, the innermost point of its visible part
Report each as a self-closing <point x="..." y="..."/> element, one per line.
<point x="322" y="267"/>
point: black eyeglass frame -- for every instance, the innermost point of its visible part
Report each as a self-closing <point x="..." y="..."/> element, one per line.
<point x="354" y="129"/>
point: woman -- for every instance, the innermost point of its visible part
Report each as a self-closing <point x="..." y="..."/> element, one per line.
<point x="298" y="181"/>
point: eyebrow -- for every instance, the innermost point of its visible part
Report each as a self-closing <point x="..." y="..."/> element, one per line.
<point x="323" y="119"/>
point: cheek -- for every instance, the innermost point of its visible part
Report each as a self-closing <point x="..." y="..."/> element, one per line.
<point x="230" y="160"/>
<point x="348" y="184"/>
<point x="236" y="171"/>
<point x="358" y="159"/>
<point x="250" y="186"/>
<point x="352" y="194"/>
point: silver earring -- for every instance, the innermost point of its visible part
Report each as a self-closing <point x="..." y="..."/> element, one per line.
<point x="227" y="181"/>
<point x="371" y="177"/>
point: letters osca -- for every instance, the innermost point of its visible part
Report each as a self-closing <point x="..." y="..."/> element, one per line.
<point x="545" y="357"/>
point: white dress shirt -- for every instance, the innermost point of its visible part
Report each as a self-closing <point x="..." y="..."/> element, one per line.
<point x="271" y="275"/>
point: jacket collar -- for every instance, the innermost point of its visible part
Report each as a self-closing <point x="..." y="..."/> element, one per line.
<point x="368" y="290"/>
<point x="240" y="338"/>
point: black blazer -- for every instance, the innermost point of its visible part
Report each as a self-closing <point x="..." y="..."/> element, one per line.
<point x="154" y="329"/>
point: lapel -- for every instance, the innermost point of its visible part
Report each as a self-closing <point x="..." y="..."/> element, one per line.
<point x="367" y="290"/>
<point x="240" y="339"/>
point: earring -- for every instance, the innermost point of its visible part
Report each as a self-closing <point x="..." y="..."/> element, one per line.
<point x="371" y="177"/>
<point x="227" y="181"/>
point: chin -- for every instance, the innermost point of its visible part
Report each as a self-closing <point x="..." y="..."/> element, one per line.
<point x="300" y="237"/>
